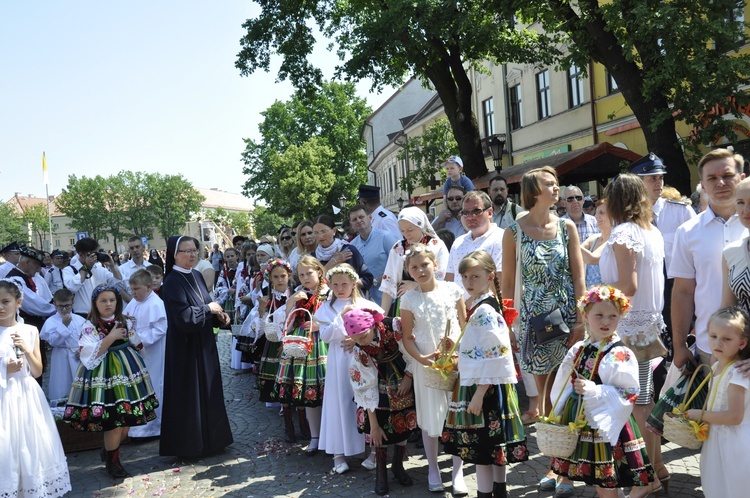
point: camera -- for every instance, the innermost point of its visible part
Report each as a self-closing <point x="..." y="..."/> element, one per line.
<point x="102" y="257"/>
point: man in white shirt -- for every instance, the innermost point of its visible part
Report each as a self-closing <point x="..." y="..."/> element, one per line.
<point x="11" y="253"/>
<point x="53" y="276"/>
<point x="382" y="219"/>
<point x="85" y="273"/>
<point x="482" y="234"/>
<point x="135" y="263"/>
<point x="696" y="254"/>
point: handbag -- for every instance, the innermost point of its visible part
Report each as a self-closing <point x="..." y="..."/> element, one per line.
<point x="645" y="346"/>
<point x="549" y="326"/>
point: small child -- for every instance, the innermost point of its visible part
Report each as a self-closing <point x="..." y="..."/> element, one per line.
<point x="724" y="456"/>
<point x="32" y="460"/>
<point x="112" y="388"/>
<point x="61" y="331"/>
<point x="425" y="313"/>
<point x="454" y="168"/>
<point x="602" y="373"/>
<point x="382" y="384"/>
<point x="226" y="287"/>
<point x="150" y="321"/>
<point x="157" y="278"/>
<point x="484" y="424"/>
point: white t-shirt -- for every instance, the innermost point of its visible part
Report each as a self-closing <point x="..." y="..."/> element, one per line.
<point x="491" y="242"/>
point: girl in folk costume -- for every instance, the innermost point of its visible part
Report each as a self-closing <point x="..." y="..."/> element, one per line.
<point x="484" y="423"/>
<point x="426" y="312"/>
<point x="226" y="287"/>
<point x="338" y="433"/>
<point x="112" y="388"/>
<point x="32" y="460"/>
<point x="602" y="374"/>
<point x="724" y="456"/>
<point x="279" y="274"/>
<point x="300" y="382"/>
<point x="382" y="383"/>
<point x="254" y="286"/>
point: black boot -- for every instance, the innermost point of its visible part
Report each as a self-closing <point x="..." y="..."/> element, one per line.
<point x="499" y="490"/>
<point x="397" y="466"/>
<point x="288" y="425"/>
<point x="304" y="426"/>
<point x="114" y="467"/>
<point x="381" y="471"/>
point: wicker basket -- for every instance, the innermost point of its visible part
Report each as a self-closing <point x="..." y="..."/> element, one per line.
<point x="676" y="428"/>
<point x="271" y="329"/>
<point x="73" y="440"/>
<point x="297" y="346"/>
<point x="439" y="379"/>
<point x="556" y="440"/>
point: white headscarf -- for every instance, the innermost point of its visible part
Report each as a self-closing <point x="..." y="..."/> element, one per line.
<point x="417" y="217"/>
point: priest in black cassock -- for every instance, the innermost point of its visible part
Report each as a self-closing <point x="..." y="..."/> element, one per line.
<point x="194" y="417"/>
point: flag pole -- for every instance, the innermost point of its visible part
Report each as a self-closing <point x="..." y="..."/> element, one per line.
<point x="46" y="188"/>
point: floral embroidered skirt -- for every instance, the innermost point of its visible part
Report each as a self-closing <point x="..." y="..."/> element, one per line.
<point x="495" y="437"/>
<point x="268" y="369"/>
<point x="596" y="462"/>
<point x="300" y="382"/>
<point x="117" y="393"/>
<point x="396" y="415"/>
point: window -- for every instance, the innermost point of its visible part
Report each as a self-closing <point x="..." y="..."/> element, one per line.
<point x="543" y="94"/>
<point x="72" y="242"/>
<point x="488" y="112"/>
<point x="514" y="97"/>
<point x="55" y="226"/>
<point x="575" y="86"/>
<point x="57" y="242"/>
<point x="611" y="84"/>
<point x="737" y="17"/>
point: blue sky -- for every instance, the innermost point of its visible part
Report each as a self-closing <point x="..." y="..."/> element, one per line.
<point x="143" y="86"/>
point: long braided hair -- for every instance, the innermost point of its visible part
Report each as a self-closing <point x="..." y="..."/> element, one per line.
<point x="483" y="260"/>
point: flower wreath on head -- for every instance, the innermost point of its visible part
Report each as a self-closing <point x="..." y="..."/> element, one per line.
<point x="273" y="264"/>
<point x="342" y="269"/>
<point x="101" y="289"/>
<point x="600" y="293"/>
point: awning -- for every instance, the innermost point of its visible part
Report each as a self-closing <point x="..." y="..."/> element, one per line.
<point x="595" y="162"/>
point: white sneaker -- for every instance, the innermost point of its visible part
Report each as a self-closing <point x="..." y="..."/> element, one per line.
<point x="369" y="464"/>
<point x="341" y="468"/>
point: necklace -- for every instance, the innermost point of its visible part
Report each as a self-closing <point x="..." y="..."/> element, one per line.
<point x="194" y="288"/>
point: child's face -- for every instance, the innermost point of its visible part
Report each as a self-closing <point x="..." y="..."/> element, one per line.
<point x="453" y="170"/>
<point x="262" y="258"/>
<point x="158" y="279"/>
<point x="64" y="307"/>
<point x="9" y="305"/>
<point x="308" y="276"/>
<point x="140" y="292"/>
<point x="365" y="338"/>
<point x="280" y="278"/>
<point x="342" y="286"/>
<point x="231" y="258"/>
<point x="477" y="281"/>
<point x="602" y="319"/>
<point x="725" y="340"/>
<point x="421" y="268"/>
<point x="106" y="304"/>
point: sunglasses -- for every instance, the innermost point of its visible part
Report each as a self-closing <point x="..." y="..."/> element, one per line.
<point x="574" y="198"/>
<point x="286" y="237"/>
<point x="474" y="212"/>
<point x="453" y="199"/>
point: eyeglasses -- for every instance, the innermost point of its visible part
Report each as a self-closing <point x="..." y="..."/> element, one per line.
<point x="189" y="251"/>
<point x="286" y="237"/>
<point x="64" y="307"/>
<point x="474" y="212"/>
<point x="454" y="199"/>
<point x="572" y="198"/>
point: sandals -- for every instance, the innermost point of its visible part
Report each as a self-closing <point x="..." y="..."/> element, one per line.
<point x="564" y="491"/>
<point x="528" y="417"/>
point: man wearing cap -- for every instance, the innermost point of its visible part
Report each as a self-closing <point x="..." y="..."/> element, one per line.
<point x="585" y="223"/>
<point x="83" y="275"/>
<point x="450" y="216"/>
<point x="505" y="210"/>
<point x="53" y="276"/>
<point x="374" y="245"/>
<point x="34" y="308"/>
<point x="11" y="255"/>
<point x="382" y="219"/>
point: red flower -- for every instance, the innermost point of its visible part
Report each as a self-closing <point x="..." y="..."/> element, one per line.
<point x="445" y="437"/>
<point x="399" y="424"/>
<point x="84" y="414"/>
<point x="608" y="470"/>
<point x="295" y="391"/>
<point x="519" y="452"/>
<point x="411" y="420"/>
<point x="622" y="356"/>
<point x="618" y="453"/>
<point x="585" y="469"/>
<point x="356" y="375"/>
<point x="361" y="417"/>
<point x="643" y="477"/>
<point x="310" y="393"/>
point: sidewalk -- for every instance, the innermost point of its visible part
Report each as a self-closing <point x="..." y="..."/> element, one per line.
<point x="260" y="464"/>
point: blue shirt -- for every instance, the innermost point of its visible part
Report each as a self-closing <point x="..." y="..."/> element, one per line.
<point x="375" y="252"/>
<point x="463" y="182"/>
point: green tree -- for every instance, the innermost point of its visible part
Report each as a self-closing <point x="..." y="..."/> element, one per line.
<point x="327" y="121"/>
<point x="174" y="202"/>
<point x="138" y="216"/>
<point x="83" y="201"/>
<point x="36" y="218"/>
<point x="241" y="222"/>
<point x="672" y="61"/>
<point x="390" y="40"/>
<point x="266" y="221"/>
<point x="11" y="227"/>
<point x="426" y="154"/>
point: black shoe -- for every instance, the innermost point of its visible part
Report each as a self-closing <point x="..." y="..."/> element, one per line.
<point x="415" y="436"/>
<point x="289" y="436"/>
<point x="114" y="467"/>
<point x="499" y="490"/>
<point x="381" y="471"/>
<point x="397" y="466"/>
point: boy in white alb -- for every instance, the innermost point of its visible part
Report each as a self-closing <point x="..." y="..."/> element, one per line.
<point x="61" y="331"/>
<point x="150" y="318"/>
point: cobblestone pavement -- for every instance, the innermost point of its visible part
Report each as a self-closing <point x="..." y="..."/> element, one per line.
<point x="259" y="464"/>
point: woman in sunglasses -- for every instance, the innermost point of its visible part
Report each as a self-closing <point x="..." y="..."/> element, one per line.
<point x="286" y="243"/>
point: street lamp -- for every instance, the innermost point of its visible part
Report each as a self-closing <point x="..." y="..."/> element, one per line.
<point x="497" y="146"/>
<point x="400" y="202"/>
<point x="342" y="201"/>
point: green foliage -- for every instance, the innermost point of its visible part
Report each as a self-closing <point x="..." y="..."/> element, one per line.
<point x="241" y="222"/>
<point x="266" y="221"/>
<point x="137" y="219"/>
<point x="426" y="155"/>
<point x="11" y="227"/>
<point x="36" y="218"/>
<point x="83" y="201"/>
<point x="173" y="203"/>
<point x="310" y="152"/>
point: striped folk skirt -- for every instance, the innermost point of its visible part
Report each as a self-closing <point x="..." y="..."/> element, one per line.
<point x="268" y="369"/>
<point x="300" y="381"/>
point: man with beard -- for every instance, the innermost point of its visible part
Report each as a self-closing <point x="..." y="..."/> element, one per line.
<point x="505" y="211"/>
<point x="450" y="217"/>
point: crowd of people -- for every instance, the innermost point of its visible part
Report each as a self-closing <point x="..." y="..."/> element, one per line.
<point x="355" y="337"/>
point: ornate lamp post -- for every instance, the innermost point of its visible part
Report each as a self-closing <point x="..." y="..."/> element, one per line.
<point x="497" y="146"/>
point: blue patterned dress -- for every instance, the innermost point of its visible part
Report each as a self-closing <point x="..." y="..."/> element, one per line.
<point x="547" y="284"/>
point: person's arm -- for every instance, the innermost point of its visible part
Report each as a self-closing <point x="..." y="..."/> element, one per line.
<point x="727" y="296"/>
<point x="31" y="352"/>
<point x="508" y="282"/>
<point x="442" y="218"/>
<point x="578" y="274"/>
<point x="627" y="271"/>
<point x="407" y="327"/>
<point x="683" y="307"/>
<point x="588" y="256"/>
<point x="734" y="413"/>
<point x="209" y="275"/>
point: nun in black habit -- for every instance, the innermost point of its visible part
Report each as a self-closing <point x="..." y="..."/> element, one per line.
<point x="194" y="418"/>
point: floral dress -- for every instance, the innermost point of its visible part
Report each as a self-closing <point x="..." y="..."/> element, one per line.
<point x="496" y="436"/>
<point x="109" y="390"/>
<point x="547" y="284"/>
<point x="268" y="367"/>
<point x="375" y="373"/>
<point x="611" y="452"/>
